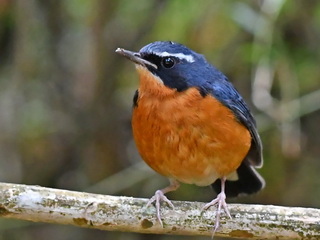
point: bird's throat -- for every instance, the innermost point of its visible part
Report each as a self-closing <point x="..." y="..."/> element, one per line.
<point x="152" y="85"/>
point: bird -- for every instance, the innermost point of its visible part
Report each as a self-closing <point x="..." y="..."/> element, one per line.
<point x="192" y="126"/>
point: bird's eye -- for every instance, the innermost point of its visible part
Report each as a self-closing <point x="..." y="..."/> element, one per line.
<point x="168" y="62"/>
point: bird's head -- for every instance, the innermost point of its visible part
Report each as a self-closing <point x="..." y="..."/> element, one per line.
<point x="173" y="65"/>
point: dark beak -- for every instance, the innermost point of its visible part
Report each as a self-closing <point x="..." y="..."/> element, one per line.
<point x="135" y="57"/>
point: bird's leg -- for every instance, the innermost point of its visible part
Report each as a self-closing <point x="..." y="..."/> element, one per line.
<point x="159" y="196"/>
<point x="220" y="201"/>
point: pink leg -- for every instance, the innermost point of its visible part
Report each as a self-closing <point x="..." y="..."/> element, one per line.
<point x="221" y="202"/>
<point x="159" y="196"/>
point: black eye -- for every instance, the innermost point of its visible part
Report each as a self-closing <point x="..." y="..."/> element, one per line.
<point x="168" y="62"/>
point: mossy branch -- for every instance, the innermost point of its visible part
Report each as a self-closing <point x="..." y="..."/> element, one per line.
<point x="39" y="204"/>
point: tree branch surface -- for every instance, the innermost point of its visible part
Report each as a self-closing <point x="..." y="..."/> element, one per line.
<point x="112" y="213"/>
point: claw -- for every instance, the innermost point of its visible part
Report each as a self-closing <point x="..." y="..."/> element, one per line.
<point x="220" y="201"/>
<point x="159" y="196"/>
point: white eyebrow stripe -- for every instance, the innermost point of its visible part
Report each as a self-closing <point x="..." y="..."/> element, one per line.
<point x="188" y="58"/>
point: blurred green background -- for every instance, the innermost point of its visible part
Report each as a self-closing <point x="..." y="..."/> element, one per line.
<point x="65" y="96"/>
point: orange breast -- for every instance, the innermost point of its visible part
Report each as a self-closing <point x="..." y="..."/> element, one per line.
<point x="185" y="136"/>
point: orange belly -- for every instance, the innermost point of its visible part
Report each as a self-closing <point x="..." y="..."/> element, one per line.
<point x="189" y="138"/>
<point x="185" y="136"/>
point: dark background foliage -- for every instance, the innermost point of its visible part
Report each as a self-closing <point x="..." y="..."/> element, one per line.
<point x="65" y="96"/>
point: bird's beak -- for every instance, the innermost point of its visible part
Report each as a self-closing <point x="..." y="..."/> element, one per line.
<point x="135" y="57"/>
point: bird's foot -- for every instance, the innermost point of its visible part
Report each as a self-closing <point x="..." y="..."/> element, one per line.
<point x="220" y="201"/>
<point x="157" y="198"/>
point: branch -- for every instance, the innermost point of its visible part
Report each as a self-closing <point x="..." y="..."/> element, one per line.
<point x="39" y="204"/>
